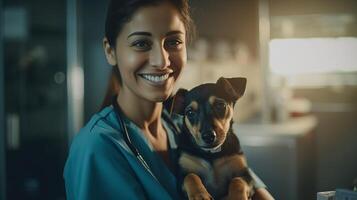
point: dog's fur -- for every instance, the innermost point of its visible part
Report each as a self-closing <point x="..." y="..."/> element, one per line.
<point x="211" y="159"/>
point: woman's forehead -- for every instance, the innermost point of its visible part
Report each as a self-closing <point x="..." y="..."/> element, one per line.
<point x="156" y="19"/>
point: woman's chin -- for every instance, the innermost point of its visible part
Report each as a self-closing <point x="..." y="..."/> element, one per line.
<point x="161" y="98"/>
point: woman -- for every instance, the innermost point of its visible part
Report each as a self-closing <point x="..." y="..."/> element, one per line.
<point x="127" y="150"/>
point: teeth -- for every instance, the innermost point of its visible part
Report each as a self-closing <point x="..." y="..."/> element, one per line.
<point x="155" y="78"/>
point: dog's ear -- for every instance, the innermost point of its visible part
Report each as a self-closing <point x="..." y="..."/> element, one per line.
<point x="233" y="87"/>
<point x="176" y="103"/>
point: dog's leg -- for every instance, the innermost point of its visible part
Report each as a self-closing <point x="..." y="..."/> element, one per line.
<point x="194" y="188"/>
<point x="238" y="189"/>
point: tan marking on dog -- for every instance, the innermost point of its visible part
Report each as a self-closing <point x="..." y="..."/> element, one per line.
<point x="231" y="163"/>
<point x="195" y="164"/>
<point x="218" y="173"/>
<point x="194" y="187"/>
<point x="194" y="105"/>
<point x="238" y="189"/>
<point x="227" y="167"/>
<point x="221" y="126"/>
<point x="194" y="129"/>
<point x="211" y="100"/>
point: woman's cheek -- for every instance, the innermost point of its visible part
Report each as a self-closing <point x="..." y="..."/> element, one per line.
<point x="131" y="63"/>
<point x="180" y="58"/>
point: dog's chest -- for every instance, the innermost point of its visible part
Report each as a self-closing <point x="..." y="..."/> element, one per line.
<point x="215" y="175"/>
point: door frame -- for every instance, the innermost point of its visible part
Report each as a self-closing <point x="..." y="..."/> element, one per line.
<point x="2" y="109"/>
<point x="75" y="72"/>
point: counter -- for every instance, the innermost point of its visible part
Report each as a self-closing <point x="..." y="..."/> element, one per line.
<point x="283" y="155"/>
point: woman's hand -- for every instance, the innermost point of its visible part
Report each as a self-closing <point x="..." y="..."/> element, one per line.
<point x="262" y="194"/>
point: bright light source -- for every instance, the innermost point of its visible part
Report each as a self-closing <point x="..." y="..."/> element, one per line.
<point x="313" y="55"/>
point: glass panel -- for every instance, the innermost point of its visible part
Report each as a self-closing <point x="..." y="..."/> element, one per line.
<point x="35" y="98"/>
<point x="313" y="44"/>
<point x="293" y="56"/>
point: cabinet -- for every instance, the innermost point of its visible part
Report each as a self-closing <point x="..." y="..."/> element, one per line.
<point x="282" y="155"/>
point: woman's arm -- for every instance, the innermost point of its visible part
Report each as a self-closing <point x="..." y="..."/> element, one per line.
<point x="262" y="194"/>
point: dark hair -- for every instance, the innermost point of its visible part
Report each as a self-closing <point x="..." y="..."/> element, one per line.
<point x="119" y="13"/>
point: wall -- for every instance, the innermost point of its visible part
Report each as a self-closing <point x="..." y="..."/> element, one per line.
<point x="293" y="7"/>
<point x="232" y="20"/>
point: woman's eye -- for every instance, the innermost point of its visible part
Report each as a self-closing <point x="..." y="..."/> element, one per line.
<point x="174" y="43"/>
<point x="141" y="45"/>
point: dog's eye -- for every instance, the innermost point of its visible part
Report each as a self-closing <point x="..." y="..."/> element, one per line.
<point x="190" y="113"/>
<point x="220" y="106"/>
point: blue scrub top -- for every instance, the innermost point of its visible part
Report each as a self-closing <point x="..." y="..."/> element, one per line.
<point x="100" y="164"/>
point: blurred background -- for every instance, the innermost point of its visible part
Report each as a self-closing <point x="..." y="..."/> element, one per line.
<point x="296" y="122"/>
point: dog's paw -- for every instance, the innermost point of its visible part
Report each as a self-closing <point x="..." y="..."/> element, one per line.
<point x="200" y="196"/>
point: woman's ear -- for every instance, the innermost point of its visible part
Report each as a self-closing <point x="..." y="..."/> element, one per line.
<point x="109" y="52"/>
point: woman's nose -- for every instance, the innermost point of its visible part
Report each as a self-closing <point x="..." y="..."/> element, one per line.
<point x="159" y="57"/>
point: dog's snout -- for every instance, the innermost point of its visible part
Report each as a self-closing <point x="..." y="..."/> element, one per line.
<point x="209" y="136"/>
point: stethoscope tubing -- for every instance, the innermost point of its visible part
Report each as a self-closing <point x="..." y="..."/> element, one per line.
<point x="134" y="150"/>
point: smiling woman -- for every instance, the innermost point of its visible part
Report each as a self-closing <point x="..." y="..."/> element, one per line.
<point x="128" y="150"/>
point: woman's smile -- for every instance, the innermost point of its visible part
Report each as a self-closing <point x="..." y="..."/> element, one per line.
<point x="156" y="79"/>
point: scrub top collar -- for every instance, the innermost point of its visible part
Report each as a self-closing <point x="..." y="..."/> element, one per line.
<point x="165" y="175"/>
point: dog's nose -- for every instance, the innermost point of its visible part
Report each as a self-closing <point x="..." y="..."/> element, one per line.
<point x="209" y="136"/>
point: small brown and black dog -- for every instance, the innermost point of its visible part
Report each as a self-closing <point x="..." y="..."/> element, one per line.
<point x="211" y="159"/>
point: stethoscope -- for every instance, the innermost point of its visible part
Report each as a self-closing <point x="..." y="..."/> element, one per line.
<point x="133" y="149"/>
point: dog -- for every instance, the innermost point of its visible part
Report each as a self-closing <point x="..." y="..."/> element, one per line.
<point x="211" y="160"/>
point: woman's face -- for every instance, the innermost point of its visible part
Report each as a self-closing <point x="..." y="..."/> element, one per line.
<point x="150" y="52"/>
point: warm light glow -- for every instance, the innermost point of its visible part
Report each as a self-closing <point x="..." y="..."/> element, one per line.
<point x="313" y="55"/>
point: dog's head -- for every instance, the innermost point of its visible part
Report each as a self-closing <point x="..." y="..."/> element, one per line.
<point x="208" y="110"/>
